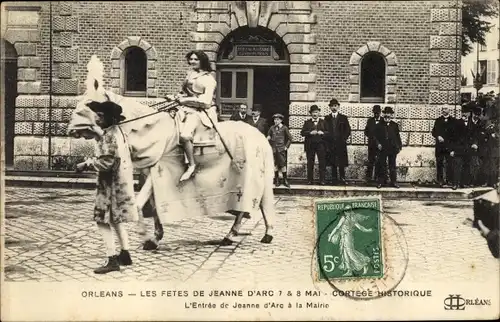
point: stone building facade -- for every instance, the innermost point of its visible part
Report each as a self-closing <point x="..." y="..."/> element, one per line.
<point x="285" y="55"/>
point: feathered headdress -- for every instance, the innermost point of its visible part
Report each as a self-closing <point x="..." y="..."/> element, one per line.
<point x="95" y="75"/>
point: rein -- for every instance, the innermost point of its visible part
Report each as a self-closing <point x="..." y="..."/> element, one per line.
<point x="159" y="110"/>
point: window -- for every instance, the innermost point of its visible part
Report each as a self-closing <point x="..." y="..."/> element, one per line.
<point x="134" y="71"/>
<point x="372" y="78"/>
<point x="234" y="86"/>
<point x="483" y="64"/>
<point x="491" y="72"/>
<point x="483" y="47"/>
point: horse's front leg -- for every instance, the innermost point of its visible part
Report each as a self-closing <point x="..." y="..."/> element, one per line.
<point x="146" y="204"/>
<point x="234" y="229"/>
<point x="153" y="242"/>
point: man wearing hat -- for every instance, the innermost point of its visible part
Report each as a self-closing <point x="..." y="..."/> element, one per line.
<point x="257" y="121"/>
<point x="490" y="166"/>
<point x="115" y="202"/>
<point x="280" y="139"/>
<point x="370" y="127"/>
<point x="389" y="145"/>
<point x="314" y="131"/>
<point x="477" y="135"/>
<point x="338" y="131"/>
<point x="442" y="132"/>
<point x="459" y="148"/>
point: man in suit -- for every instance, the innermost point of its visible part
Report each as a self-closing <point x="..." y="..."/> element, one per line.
<point x="241" y="115"/>
<point x="491" y="154"/>
<point x="442" y="132"/>
<point x="372" y="141"/>
<point x="338" y="131"/>
<point x="459" y="149"/>
<point x="477" y="144"/>
<point x="259" y="122"/>
<point x="387" y="134"/>
<point x="314" y="131"/>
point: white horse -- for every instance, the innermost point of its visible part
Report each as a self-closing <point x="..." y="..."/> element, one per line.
<point x="235" y="167"/>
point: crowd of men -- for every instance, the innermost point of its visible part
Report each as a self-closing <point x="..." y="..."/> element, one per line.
<point x="466" y="148"/>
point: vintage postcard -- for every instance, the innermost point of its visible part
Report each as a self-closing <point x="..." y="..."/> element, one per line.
<point x="249" y="160"/>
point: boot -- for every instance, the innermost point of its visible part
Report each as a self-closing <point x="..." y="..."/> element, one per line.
<point x="110" y="265"/>
<point x="124" y="258"/>
<point x="285" y="181"/>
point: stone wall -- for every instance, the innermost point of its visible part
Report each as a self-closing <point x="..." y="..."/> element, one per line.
<point x="326" y="41"/>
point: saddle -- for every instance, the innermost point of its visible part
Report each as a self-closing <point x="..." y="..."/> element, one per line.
<point x="205" y="138"/>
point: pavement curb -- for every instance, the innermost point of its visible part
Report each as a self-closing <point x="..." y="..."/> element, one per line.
<point x="295" y="189"/>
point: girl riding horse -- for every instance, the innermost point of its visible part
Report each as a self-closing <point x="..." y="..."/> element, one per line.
<point x="197" y="94"/>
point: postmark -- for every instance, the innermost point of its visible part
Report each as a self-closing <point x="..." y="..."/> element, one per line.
<point x="360" y="251"/>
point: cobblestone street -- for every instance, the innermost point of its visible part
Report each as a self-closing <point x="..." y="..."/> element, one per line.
<point x="50" y="236"/>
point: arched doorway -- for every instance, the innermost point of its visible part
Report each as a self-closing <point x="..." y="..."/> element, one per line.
<point x="253" y="68"/>
<point x="10" y="93"/>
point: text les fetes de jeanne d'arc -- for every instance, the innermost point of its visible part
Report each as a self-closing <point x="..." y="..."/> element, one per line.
<point x="245" y="301"/>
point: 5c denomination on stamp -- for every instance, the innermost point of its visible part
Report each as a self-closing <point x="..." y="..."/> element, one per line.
<point x="349" y="238"/>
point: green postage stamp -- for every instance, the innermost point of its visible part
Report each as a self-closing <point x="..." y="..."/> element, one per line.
<point x="349" y="238"/>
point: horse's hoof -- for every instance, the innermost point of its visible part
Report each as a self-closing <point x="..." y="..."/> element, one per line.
<point x="159" y="234"/>
<point x="266" y="239"/>
<point x="149" y="245"/>
<point x="246" y="215"/>
<point x="226" y="242"/>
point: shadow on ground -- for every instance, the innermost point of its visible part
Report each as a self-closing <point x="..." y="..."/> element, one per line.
<point x="446" y="205"/>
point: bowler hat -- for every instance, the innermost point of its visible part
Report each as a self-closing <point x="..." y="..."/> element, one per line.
<point x="108" y="108"/>
<point x="376" y="109"/>
<point x="333" y="101"/>
<point x="257" y="107"/>
<point x="278" y="115"/>
<point x="388" y="110"/>
<point x="466" y="108"/>
<point x="314" y="108"/>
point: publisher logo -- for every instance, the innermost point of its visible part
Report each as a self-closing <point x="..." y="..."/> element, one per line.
<point x="458" y="303"/>
<point x="454" y="302"/>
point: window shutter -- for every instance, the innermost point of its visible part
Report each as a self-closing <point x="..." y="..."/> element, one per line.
<point x="491" y="72"/>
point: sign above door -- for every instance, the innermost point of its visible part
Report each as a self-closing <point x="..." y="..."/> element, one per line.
<point x="253" y="46"/>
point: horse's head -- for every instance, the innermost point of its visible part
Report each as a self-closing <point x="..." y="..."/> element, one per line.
<point x="88" y="116"/>
<point x="148" y="137"/>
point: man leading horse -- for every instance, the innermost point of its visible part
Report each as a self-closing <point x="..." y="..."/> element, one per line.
<point x="234" y="169"/>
